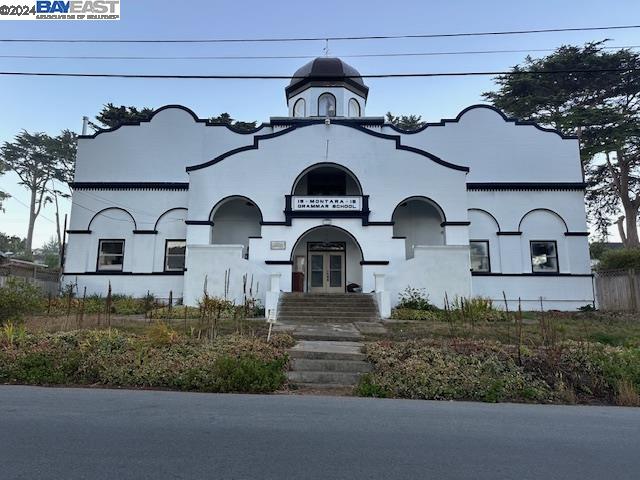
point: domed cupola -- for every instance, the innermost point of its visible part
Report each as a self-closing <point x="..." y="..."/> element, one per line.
<point x="326" y="87"/>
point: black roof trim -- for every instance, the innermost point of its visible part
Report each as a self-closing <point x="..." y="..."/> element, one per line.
<point x="530" y="274"/>
<point x="526" y="185"/>
<point x="107" y="273"/>
<point x="444" y="121"/>
<point x="334" y="121"/>
<point x="288" y="121"/>
<point x="207" y="122"/>
<point x="130" y="185"/>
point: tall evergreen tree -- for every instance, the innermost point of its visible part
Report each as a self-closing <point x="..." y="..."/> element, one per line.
<point x="598" y="98"/>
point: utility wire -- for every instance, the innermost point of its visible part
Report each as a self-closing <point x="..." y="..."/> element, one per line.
<point x="279" y="57"/>
<point x="326" y="38"/>
<point x="290" y="77"/>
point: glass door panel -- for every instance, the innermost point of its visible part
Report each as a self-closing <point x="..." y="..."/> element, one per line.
<point x="317" y="269"/>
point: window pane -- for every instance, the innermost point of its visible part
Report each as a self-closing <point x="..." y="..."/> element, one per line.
<point x="335" y="278"/>
<point x="544" y="257"/>
<point x="299" y="108"/>
<point x="479" y="256"/>
<point x="175" y="262"/>
<point x="326" y="105"/>
<point x="316" y="262"/>
<point x="111" y="247"/>
<point x="176" y="247"/>
<point x="354" y="108"/>
<point x="335" y="262"/>
<point x="111" y="255"/>
<point x="316" y="278"/>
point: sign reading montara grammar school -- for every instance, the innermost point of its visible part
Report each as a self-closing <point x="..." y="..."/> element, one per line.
<point x="327" y="203"/>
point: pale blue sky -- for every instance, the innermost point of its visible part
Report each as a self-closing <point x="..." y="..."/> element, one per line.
<point x="48" y="104"/>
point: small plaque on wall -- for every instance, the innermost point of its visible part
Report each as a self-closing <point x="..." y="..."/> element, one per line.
<point x="278" y="245"/>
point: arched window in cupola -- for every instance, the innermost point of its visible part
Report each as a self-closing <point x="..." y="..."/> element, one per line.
<point x="300" y="108"/>
<point x="354" y="108"/>
<point x="326" y="105"/>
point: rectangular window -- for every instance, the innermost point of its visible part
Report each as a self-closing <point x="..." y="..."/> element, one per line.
<point x="480" y="261"/>
<point x="174" y="255"/>
<point x="110" y="255"/>
<point x="544" y="256"/>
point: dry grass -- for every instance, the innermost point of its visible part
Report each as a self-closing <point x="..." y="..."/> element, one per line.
<point x="138" y="324"/>
<point x="537" y="329"/>
<point x="627" y="395"/>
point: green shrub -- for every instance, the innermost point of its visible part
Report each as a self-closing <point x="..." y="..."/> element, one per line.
<point x="113" y="358"/>
<point x="413" y="314"/>
<point x="415" y="299"/>
<point x="620" y="259"/>
<point x="420" y="370"/>
<point x="472" y="370"/>
<point x="17" y="298"/>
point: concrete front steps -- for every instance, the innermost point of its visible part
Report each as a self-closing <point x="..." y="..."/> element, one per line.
<point x="327" y="308"/>
<point x="326" y="364"/>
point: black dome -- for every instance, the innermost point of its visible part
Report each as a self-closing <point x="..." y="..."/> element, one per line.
<point x="327" y="71"/>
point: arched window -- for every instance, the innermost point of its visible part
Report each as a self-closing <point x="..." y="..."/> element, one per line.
<point x="300" y="108"/>
<point x="354" y="108"/>
<point x="326" y="105"/>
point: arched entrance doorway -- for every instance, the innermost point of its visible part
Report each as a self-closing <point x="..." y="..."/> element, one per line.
<point x="326" y="259"/>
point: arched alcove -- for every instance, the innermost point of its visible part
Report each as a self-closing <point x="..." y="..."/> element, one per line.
<point x="235" y="220"/>
<point x="418" y="220"/>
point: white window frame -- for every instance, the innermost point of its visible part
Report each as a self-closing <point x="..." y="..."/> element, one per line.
<point x="542" y="272"/>
<point x="109" y="267"/>
<point x="167" y="255"/>
<point x="488" y="256"/>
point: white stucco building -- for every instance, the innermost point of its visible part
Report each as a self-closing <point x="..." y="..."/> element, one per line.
<point x="327" y="200"/>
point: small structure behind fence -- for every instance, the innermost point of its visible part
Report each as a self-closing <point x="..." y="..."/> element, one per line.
<point x="45" y="278"/>
<point x="618" y="290"/>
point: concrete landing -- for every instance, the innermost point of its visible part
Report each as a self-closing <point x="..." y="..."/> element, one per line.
<point x="331" y="331"/>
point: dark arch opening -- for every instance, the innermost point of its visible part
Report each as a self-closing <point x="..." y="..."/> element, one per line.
<point x="326" y="178"/>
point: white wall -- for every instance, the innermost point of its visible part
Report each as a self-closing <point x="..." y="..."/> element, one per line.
<point x="435" y="269"/>
<point x="155" y="151"/>
<point x="499" y="151"/>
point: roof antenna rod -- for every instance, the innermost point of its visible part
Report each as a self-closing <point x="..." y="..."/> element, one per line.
<point x="326" y="47"/>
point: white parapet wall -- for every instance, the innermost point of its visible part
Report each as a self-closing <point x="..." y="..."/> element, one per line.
<point x="220" y="264"/>
<point x="561" y="292"/>
<point x="436" y="269"/>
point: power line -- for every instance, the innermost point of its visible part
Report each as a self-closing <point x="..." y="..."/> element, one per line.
<point x="13" y="197"/>
<point x="289" y="77"/>
<point x="315" y="39"/>
<point x="280" y="57"/>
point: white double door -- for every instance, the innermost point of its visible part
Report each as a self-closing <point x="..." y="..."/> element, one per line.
<point x="326" y="272"/>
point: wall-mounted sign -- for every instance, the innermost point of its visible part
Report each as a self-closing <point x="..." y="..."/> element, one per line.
<point x="327" y="203"/>
<point x="278" y="245"/>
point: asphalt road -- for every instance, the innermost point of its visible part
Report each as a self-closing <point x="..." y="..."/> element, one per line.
<point x="119" y="434"/>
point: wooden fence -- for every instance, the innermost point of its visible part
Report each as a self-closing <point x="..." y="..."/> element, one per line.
<point x="48" y="281"/>
<point x="618" y="290"/>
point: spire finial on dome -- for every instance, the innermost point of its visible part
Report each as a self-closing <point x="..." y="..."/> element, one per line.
<point x="325" y="50"/>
